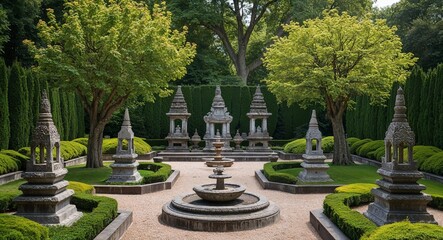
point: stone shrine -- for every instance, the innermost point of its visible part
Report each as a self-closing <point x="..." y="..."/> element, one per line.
<point x="314" y="166"/>
<point x="218" y="115"/>
<point x="399" y="195"/>
<point x="45" y="198"/>
<point x="124" y="168"/>
<point x="178" y="136"/>
<point x="258" y="134"/>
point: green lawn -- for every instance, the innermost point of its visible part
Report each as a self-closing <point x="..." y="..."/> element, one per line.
<point x="361" y="174"/>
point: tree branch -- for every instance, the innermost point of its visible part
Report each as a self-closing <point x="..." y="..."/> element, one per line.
<point x="221" y="33"/>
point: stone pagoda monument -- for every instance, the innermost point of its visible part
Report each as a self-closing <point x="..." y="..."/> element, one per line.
<point x="45" y="198"/>
<point x="124" y="168"/>
<point x="314" y="166"/>
<point x="399" y="195"/>
<point x="218" y="115"/>
<point x="178" y="136"/>
<point x="258" y="135"/>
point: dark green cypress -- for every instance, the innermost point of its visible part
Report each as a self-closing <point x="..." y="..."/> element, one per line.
<point x="26" y="107"/>
<point x="31" y="92"/>
<point x="66" y="117"/>
<point x="437" y="107"/>
<point x="245" y="103"/>
<point x="17" y="109"/>
<point x="56" y="112"/>
<point x="198" y="113"/>
<point x="80" y="117"/>
<point x="271" y="104"/>
<point x="4" y="108"/>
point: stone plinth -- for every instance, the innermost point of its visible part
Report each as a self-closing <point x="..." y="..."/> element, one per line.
<point x="178" y="115"/>
<point x="399" y="195"/>
<point x="45" y="198"/>
<point x="124" y="168"/>
<point x="314" y="166"/>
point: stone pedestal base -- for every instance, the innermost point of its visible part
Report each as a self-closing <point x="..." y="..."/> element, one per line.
<point x="389" y="208"/>
<point x="177" y="144"/>
<point x="314" y="169"/>
<point x="124" y="173"/>
<point x="48" y="210"/>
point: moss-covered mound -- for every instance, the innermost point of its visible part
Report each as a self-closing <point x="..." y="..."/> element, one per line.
<point x="406" y="231"/>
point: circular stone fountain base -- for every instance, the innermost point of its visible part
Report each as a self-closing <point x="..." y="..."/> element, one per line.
<point x="247" y="212"/>
<point x="225" y="162"/>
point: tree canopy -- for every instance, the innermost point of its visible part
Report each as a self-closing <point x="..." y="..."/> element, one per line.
<point x="110" y="52"/>
<point x="332" y="60"/>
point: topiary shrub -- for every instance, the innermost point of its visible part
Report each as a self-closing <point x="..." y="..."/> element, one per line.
<point x="406" y="230"/>
<point x="437" y="202"/>
<point x="327" y="144"/>
<point x="368" y="147"/>
<point x="297" y="146"/>
<point x="70" y="150"/>
<point x="15" y="227"/>
<point x="161" y="172"/>
<point x="422" y="153"/>
<point x="6" y="203"/>
<point x="379" y="153"/>
<point x="361" y="188"/>
<point x="358" y="144"/>
<point x="100" y="211"/>
<point x="352" y="140"/>
<point x="433" y="164"/>
<point x="110" y="146"/>
<point x="80" y="187"/>
<point x="8" y="164"/>
<point x="20" y="158"/>
<point x="82" y="141"/>
<point x="270" y="172"/>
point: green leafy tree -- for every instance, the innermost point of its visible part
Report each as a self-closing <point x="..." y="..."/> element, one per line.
<point x="331" y="61"/>
<point x="111" y="52"/>
<point x="4" y="109"/>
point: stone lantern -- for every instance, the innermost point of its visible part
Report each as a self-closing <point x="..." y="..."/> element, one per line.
<point x="399" y="195"/>
<point x="258" y="135"/>
<point x="238" y="140"/>
<point x="218" y="115"/>
<point x="45" y="198"/>
<point x="195" y="140"/>
<point x="314" y="166"/>
<point x="178" y="136"/>
<point x="124" y="168"/>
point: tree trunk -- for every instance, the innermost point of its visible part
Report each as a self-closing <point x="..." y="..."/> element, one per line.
<point x="241" y="67"/>
<point x="95" y="141"/>
<point x="342" y="156"/>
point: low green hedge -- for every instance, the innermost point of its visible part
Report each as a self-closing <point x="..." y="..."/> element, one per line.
<point x="327" y="144"/>
<point x="20" y="158"/>
<point x="361" y="188"/>
<point x="423" y="153"/>
<point x="82" y="141"/>
<point x="298" y="146"/>
<point x="6" y="203"/>
<point x="8" y="164"/>
<point x="110" y="146"/>
<point x="370" y="147"/>
<point x="358" y="144"/>
<point x="379" y="153"/>
<point x="270" y="172"/>
<point x="18" y="228"/>
<point x="68" y="150"/>
<point x="433" y="164"/>
<point x="406" y="230"/>
<point x="99" y="212"/>
<point x="80" y="187"/>
<point x="437" y="202"/>
<point x="352" y="140"/>
<point x="161" y="172"/>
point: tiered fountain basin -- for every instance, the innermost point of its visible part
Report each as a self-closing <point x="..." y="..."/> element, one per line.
<point x="249" y="211"/>
<point x="218" y="160"/>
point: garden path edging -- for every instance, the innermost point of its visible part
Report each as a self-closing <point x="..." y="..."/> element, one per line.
<point x="139" y="189"/>
<point x="292" y="188"/>
<point x="117" y="228"/>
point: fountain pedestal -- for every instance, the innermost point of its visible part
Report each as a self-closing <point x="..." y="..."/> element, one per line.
<point x="218" y="160"/>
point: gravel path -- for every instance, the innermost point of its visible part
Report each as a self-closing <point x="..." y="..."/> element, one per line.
<point x="294" y="208"/>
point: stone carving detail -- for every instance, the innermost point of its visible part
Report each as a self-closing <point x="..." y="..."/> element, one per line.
<point x="399" y="195"/>
<point x="258" y="135"/>
<point x="314" y="167"/>
<point x="44" y="177"/>
<point x="178" y="136"/>
<point x="218" y="115"/>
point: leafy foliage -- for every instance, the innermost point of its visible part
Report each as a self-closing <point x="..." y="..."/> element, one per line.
<point x="406" y="230"/>
<point x="15" y="227"/>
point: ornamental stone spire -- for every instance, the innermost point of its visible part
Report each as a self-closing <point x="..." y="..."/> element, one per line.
<point x="258" y="104"/>
<point x="178" y="104"/>
<point x="258" y="123"/>
<point x="178" y="136"/>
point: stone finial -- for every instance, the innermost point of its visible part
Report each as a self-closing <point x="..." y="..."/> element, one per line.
<point x="178" y="105"/>
<point x="258" y="104"/>
<point x="313" y="122"/>
<point x="400" y="107"/>
<point x="218" y="101"/>
<point x="313" y="131"/>
<point x="126" y="128"/>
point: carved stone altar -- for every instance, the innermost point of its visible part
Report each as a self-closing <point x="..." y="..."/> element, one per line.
<point x="45" y="198"/>
<point x="258" y="135"/>
<point x="178" y="136"/>
<point x="399" y="195"/>
<point x="218" y="115"/>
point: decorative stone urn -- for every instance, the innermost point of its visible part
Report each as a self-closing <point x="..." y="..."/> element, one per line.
<point x="124" y="168"/>
<point x="399" y="195"/>
<point x="45" y="198"/>
<point x="314" y="166"/>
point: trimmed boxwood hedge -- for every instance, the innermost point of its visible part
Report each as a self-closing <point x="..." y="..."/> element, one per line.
<point x="99" y="212"/>
<point x="298" y="146"/>
<point x="270" y="172"/>
<point x="110" y="145"/>
<point x="17" y="228"/>
<point x="22" y="159"/>
<point x="352" y="140"/>
<point x="68" y="150"/>
<point x="358" y="144"/>
<point x="406" y="230"/>
<point x="161" y="172"/>
<point x="368" y="147"/>
<point x="8" y="164"/>
<point x="433" y="164"/>
<point x="422" y="153"/>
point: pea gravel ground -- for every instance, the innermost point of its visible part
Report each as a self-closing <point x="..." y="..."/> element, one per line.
<point x="294" y="208"/>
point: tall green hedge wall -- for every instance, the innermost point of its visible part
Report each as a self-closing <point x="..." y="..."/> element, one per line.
<point x="150" y="120"/>
<point x="20" y="92"/>
<point x="424" y="102"/>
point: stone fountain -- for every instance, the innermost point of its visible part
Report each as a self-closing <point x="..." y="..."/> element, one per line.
<point x="218" y="160"/>
<point x="219" y="207"/>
